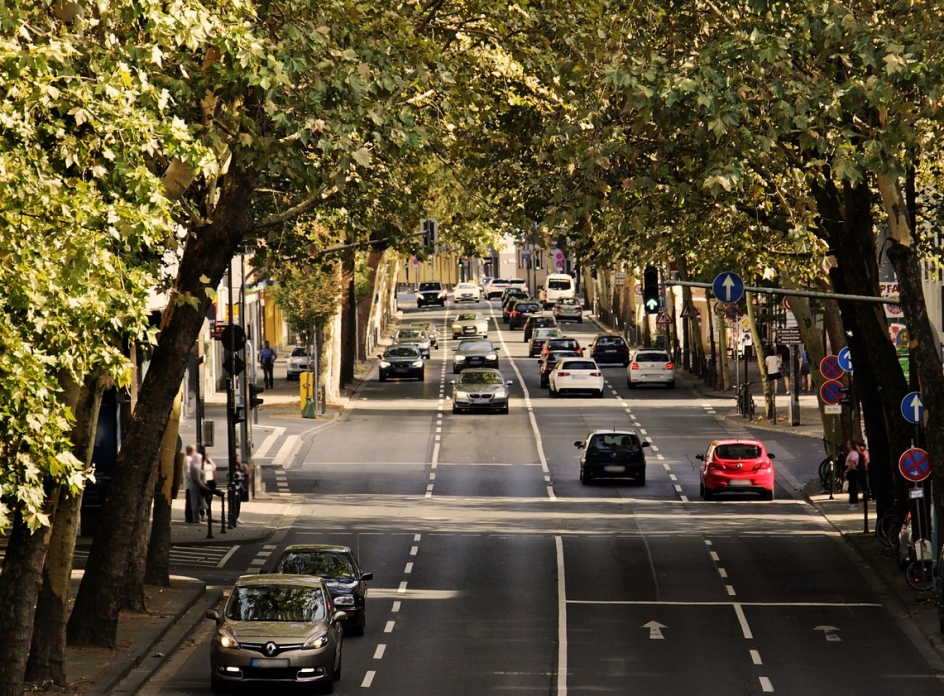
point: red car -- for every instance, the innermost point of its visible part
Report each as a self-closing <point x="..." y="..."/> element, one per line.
<point x="737" y="466"/>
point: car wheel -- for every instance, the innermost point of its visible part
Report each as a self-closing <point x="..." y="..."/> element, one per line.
<point x="422" y="377"/>
<point x="336" y="674"/>
<point x="630" y="383"/>
<point x="709" y="495"/>
<point x="218" y="686"/>
<point x="599" y="394"/>
<point x="641" y="481"/>
<point x="580" y="321"/>
<point x="583" y="479"/>
<point x="626" y="363"/>
<point x="382" y="378"/>
<point x="552" y="392"/>
<point x="768" y="495"/>
<point x="454" y="337"/>
<point x="701" y="490"/>
<point x="670" y="385"/>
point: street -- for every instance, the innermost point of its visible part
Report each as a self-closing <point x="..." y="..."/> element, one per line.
<point x="496" y="571"/>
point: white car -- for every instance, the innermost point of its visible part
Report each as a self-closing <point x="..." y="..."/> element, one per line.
<point x="466" y="292"/>
<point x="572" y="375"/>
<point x="650" y="367"/>
<point x="296" y="363"/>
<point x="470" y="325"/>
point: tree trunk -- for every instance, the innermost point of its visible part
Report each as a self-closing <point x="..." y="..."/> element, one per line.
<point x="157" y="567"/>
<point x="759" y="355"/>
<point x="47" y="654"/>
<point x="20" y="583"/>
<point x="94" y="618"/>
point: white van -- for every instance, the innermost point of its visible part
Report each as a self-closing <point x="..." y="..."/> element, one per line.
<point x="557" y="286"/>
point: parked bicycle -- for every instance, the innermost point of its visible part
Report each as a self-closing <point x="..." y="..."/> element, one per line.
<point x="830" y="469"/>
<point x="888" y="528"/>
<point x="745" y="401"/>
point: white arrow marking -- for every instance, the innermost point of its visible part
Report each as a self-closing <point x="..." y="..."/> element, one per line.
<point x="917" y="406"/>
<point x="828" y="631"/>
<point x="655" y="630"/>
<point x="728" y="284"/>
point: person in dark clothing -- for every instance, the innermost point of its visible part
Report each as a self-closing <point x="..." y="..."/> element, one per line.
<point x="267" y="359"/>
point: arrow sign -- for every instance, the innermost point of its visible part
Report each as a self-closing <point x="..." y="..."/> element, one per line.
<point x="912" y="408"/>
<point x="914" y="464"/>
<point x="845" y="359"/>
<point x="728" y="287"/>
<point x="829" y="633"/>
<point x="655" y="630"/>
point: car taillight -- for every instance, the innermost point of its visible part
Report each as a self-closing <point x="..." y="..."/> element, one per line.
<point x="634" y="366"/>
<point x="761" y="465"/>
<point x="514" y="314"/>
<point x="563" y="374"/>
<point x="596" y="374"/>
<point x="715" y="466"/>
<point x="669" y="366"/>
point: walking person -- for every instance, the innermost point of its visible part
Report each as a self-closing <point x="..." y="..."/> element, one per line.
<point x="865" y="481"/>
<point x="267" y="358"/>
<point x="805" y="378"/>
<point x="851" y="471"/>
<point x="209" y="475"/>
<point x="195" y="486"/>
<point x="772" y="365"/>
<point x="240" y="488"/>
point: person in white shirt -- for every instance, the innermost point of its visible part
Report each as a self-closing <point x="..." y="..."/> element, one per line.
<point x="772" y="365"/>
<point x="195" y="485"/>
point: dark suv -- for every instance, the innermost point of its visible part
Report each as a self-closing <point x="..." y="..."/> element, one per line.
<point x="521" y="311"/>
<point x="431" y="293"/>
<point x="607" y="348"/>
<point x="612" y="454"/>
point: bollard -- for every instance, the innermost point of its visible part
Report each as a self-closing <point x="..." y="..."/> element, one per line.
<point x="209" y="517"/>
<point x="222" y="511"/>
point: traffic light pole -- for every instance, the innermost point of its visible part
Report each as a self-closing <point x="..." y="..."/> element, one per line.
<point x="231" y="410"/>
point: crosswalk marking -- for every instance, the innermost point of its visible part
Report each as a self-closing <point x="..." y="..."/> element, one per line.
<point x="205" y="555"/>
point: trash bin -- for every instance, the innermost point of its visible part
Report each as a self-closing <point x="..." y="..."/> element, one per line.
<point x="306" y="394"/>
<point x="308" y="410"/>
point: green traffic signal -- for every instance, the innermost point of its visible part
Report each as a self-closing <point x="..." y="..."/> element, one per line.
<point x="650" y="290"/>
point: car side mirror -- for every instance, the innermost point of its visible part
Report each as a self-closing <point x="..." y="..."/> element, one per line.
<point x="645" y="443"/>
<point x="509" y="382"/>
<point x="496" y="348"/>
<point x="771" y="455"/>
<point x="212" y="615"/>
<point x="579" y="444"/>
<point x="367" y="576"/>
<point x="338" y="616"/>
<point x="700" y="456"/>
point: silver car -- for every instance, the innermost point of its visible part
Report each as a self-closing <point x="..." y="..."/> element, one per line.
<point x="647" y="366"/>
<point x="431" y="330"/>
<point x="280" y="629"/>
<point x="568" y="309"/>
<point x="480" y="389"/>
<point x="414" y="337"/>
<point x="470" y="325"/>
<point x="296" y="363"/>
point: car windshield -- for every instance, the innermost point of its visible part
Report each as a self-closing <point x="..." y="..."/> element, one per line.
<point x="556" y="355"/>
<point x="615" y="442"/>
<point x="546" y="333"/>
<point x="401" y="352"/>
<point x="737" y="451"/>
<point x="569" y="343"/>
<point x="577" y="365"/>
<point x="526" y="307"/>
<point x="276" y="603"/>
<point x="478" y="378"/>
<point x="430" y="286"/>
<point x="475" y="347"/>
<point x="411" y="333"/>
<point x="299" y="352"/>
<point x="567" y="301"/>
<point x="558" y="284"/>
<point x="326" y="564"/>
<point x="652" y="357"/>
<point x="467" y="317"/>
<point x="609" y="341"/>
<point x="544" y="321"/>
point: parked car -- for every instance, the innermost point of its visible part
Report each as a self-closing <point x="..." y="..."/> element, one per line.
<point x="520" y="312"/>
<point x="539" y="338"/>
<point x="414" y="337"/>
<point x="471" y="324"/>
<point x="607" y="348"/>
<point x="431" y="293"/>
<point x="480" y="389"/>
<point x="279" y="630"/>
<point x="564" y="343"/>
<point x="649" y="366"/>
<point x="550" y="360"/>
<point x="338" y="567"/>
<point x="431" y="330"/>
<point x="466" y="292"/>
<point x="296" y="363"/>
<point x="402" y="361"/>
<point x="613" y="454"/>
<point x="475" y="353"/>
<point x="572" y="375"/>
<point x="538" y="321"/>
<point x="737" y="466"/>
<point x="568" y="309"/>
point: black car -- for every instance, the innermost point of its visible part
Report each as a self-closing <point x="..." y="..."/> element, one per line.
<point x="549" y="360"/>
<point x="508" y="302"/>
<point x="616" y="454"/>
<point x="402" y="361"/>
<point x="475" y="353"/>
<point x="521" y="310"/>
<point x="538" y="321"/>
<point x="346" y="583"/>
<point x="431" y="293"/>
<point x="609" y="348"/>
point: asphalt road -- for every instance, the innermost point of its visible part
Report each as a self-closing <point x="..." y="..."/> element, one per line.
<point x="496" y="571"/>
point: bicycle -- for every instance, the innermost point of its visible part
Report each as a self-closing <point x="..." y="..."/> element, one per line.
<point x="745" y="401"/>
<point x="888" y="527"/>
<point x="920" y="572"/>
<point x="830" y="469"/>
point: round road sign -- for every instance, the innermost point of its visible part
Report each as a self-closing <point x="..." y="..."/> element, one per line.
<point x="831" y="392"/>
<point x="912" y="407"/>
<point x="914" y="464"/>
<point x="728" y="287"/>
<point x="830" y="368"/>
<point x="845" y="359"/>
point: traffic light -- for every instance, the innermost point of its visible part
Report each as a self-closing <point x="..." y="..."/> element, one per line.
<point x="233" y="339"/>
<point x="239" y="414"/>
<point x="537" y="262"/>
<point x="430" y="228"/>
<point x="254" y="392"/>
<point x="650" y="289"/>
<point x="847" y="395"/>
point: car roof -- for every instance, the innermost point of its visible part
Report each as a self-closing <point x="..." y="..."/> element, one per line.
<point x="607" y="431"/>
<point x="738" y="441"/>
<point x="280" y="579"/>
<point x="310" y="548"/>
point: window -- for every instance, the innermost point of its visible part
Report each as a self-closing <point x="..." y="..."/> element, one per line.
<point x="555" y="284"/>
<point x="737" y="451"/>
<point x="276" y="603"/>
<point x="652" y="357"/>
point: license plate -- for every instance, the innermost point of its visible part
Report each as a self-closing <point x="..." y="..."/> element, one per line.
<point x="614" y="469"/>
<point x="609" y="350"/>
<point x="468" y="329"/>
<point x="270" y="662"/>
<point x="739" y="483"/>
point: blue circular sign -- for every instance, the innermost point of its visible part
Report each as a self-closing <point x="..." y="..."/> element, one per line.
<point x="845" y="359"/>
<point x="831" y="392"/>
<point x="728" y="287"/>
<point x="829" y="367"/>
<point x="912" y="408"/>
<point x="914" y="464"/>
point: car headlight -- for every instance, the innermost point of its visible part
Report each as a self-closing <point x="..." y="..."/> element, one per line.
<point x="502" y="394"/>
<point x="316" y="642"/>
<point x="462" y="395"/>
<point x="227" y="639"/>
<point x="460" y="358"/>
<point x="491" y="356"/>
<point x="344" y="601"/>
<point x="457" y="327"/>
<point x="418" y="363"/>
<point x="384" y="364"/>
<point x="442" y="295"/>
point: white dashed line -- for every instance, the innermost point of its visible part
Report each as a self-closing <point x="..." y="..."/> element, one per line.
<point x="414" y="550"/>
<point x="766" y="686"/>
<point x="730" y="589"/>
<point x="379" y="652"/>
<point x="755" y="657"/>
<point x="388" y="628"/>
<point x="396" y="607"/>
<point x="723" y="573"/>
<point x="408" y="569"/>
<point x="417" y="537"/>
<point x="402" y="588"/>
<point x="368" y="679"/>
<point x="745" y="628"/>
<point x="714" y="557"/>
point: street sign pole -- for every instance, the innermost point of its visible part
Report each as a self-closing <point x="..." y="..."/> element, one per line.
<point x="795" y="390"/>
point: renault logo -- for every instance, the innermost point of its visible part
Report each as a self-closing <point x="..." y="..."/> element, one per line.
<point x="270" y="649"/>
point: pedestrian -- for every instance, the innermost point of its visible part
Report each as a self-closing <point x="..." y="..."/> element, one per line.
<point x="267" y="358"/>
<point x="772" y="365"/>
<point x="209" y="475"/>
<point x="851" y="471"/>
<point x="865" y="478"/>
<point x="805" y="377"/>
<point x="240" y="487"/>
<point x="195" y="485"/>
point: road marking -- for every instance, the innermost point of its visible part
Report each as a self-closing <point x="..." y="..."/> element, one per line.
<point x="766" y="686"/>
<point x="396" y="607"/>
<point x="402" y="588"/>
<point x="673" y="477"/>
<point x="666" y="466"/>
<point x="714" y="556"/>
<point x="414" y="550"/>
<point x="723" y="573"/>
<point x="678" y="488"/>
<point x="417" y="537"/>
<point x="561" y="620"/>
<point x="655" y="630"/>
<point x="408" y="569"/>
<point x="755" y="657"/>
<point x="268" y="443"/>
<point x="730" y="589"/>
<point x="389" y="627"/>
<point x="285" y="451"/>
<point x="368" y="679"/>
<point x="745" y="628"/>
<point x="379" y="652"/>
